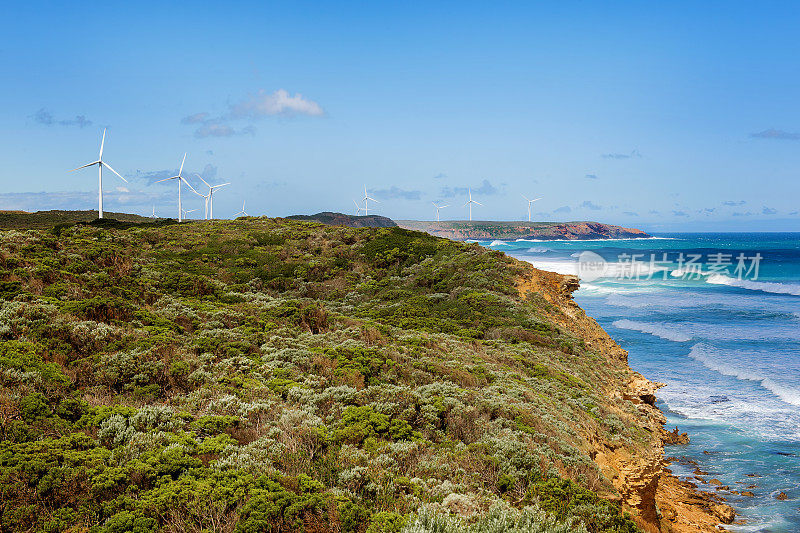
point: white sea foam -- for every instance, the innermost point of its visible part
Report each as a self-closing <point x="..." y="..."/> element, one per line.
<point x="538" y="250"/>
<point x="714" y="359"/>
<point x="764" y="286"/>
<point x="659" y="330"/>
<point x="600" y="240"/>
<point x="499" y="243"/>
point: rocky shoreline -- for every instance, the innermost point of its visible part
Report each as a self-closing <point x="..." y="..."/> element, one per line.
<point x="658" y="500"/>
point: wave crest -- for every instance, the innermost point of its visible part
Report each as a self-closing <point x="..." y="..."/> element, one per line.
<point x="658" y="330"/>
<point x="712" y="359"/>
<point x="764" y="286"/>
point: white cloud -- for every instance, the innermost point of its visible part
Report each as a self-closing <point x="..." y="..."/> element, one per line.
<point x="279" y="102"/>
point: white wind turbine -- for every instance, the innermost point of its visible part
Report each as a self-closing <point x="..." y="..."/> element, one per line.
<point x="209" y="210"/>
<point x="358" y="208"/>
<point x="242" y="212"/>
<point x="154" y="211"/>
<point x="529" y="205"/>
<point x="180" y="179"/>
<point x="437" y="206"/>
<point x="100" y="164"/>
<point x="187" y="211"/>
<point x="470" y="202"/>
<point x="366" y="198"/>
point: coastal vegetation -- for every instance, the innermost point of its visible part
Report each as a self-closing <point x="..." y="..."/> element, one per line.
<point x="273" y="375"/>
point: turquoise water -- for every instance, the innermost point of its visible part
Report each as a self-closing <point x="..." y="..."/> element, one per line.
<point x="727" y="348"/>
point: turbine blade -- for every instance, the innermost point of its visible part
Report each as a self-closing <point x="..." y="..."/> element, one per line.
<point x="526" y="197"/>
<point x="476" y="202"/>
<point x="187" y="184"/>
<point x="84" y="166"/>
<point x="166" y="179"/>
<point x="536" y="200"/>
<point x="114" y="171"/>
<point x="102" y="143"/>
<point x="201" y="179"/>
<point x="443" y="206"/>
<point x="218" y="186"/>
<point x="182" y="162"/>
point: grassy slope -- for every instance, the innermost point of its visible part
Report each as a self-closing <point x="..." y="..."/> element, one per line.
<point x="263" y="374"/>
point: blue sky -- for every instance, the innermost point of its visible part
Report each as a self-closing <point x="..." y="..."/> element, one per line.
<point x="669" y="116"/>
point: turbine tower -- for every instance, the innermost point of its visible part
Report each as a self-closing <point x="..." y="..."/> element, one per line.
<point x="242" y="212"/>
<point x="100" y="164"/>
<point x="180" y="179"/>
<point x="209" y="198"/>
<point x="358" y="208"/>
<point x="437" y="206"/>
<point x="366" y="198"/>
<point x="470" y="202"/>
<point x="529" y="205"/>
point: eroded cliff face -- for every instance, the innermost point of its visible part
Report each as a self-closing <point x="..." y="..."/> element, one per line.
<point x="659" y="501"/>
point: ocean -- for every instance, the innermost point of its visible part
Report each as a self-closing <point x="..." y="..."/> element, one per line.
<point x="717" y="318"/>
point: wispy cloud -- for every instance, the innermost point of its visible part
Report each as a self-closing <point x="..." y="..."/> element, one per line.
<point x="776" y="134"/>
<point x="151" y="176"/>
<point x="630" y="213"/>
<point x="591" y="176"/>
<point x="587" y="204"/>
<point x="484" y="189"/>
<point x="46" y="118"/>
<point x="395" y="192"/>
<point x="734" y="203"/>
<point x="707" y="211"/>
<point x="222" y="130"/>
<point x="255" y="107"/>
<point x="197" y="118"/>
<point x="634" y="154"/>
<point x="43" y="201"/>
<point x="440" y="175"/>
<point x="563" y="209"/>
<point x="680" y="213"/>
<point x="768" y="211"/>
<point x="741" y="214"/>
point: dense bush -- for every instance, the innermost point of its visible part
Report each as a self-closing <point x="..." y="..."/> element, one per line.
<point x="264" y="375"/>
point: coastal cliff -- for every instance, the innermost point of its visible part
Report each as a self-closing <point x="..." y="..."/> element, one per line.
<point x="267" y="374"/>
<point x="461" y="230"/>
<point x="661" y="501"/>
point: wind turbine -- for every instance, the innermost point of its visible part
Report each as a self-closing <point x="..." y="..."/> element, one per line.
<point x="180" y="179"/>
<point x="470" y="202"/>
<point x="187" y="211"/>
<point x="437" y="209"/>
<point x="100" y="164"/>
<point x="209" y="211"/>
<point x="242" y="212"/>
<point x="529" y="205"/>
<point x="154" y="211"/>
<point x="367" y="197"/>
<point x="358" y="208"/>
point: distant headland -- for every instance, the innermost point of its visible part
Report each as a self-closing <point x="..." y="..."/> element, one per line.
<point x="489" y="229"/>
